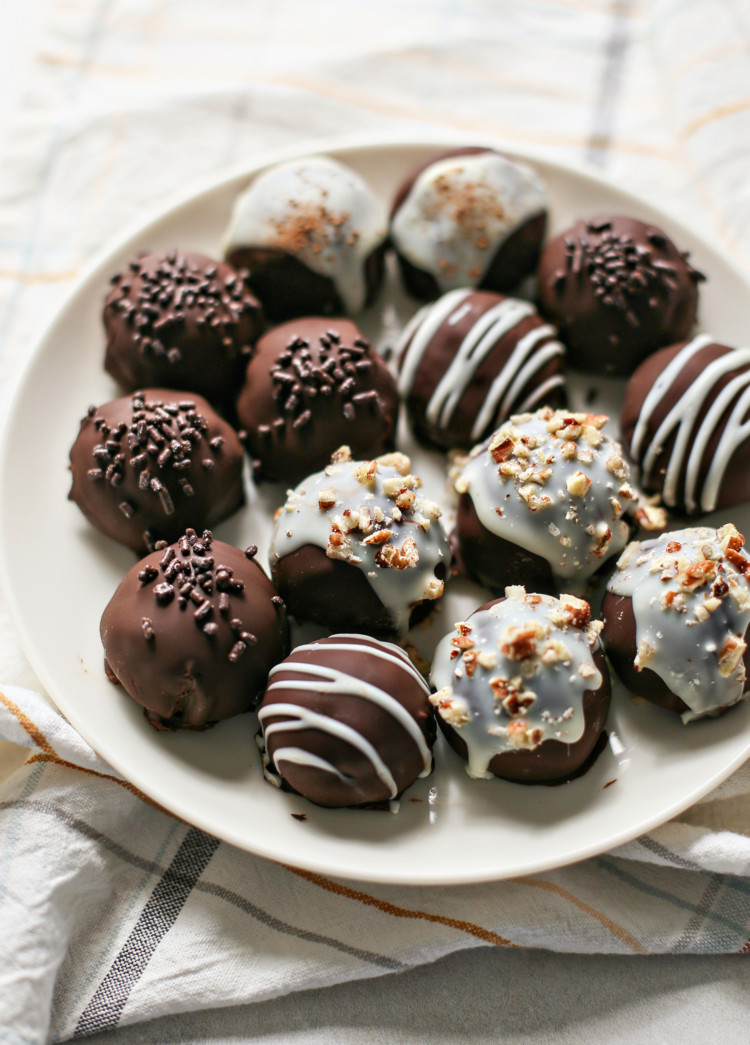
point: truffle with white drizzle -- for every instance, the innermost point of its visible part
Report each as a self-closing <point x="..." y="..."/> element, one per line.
<point x="358" y="545"/>
<point x="468" y="218"/>
<point x="685" y="423"/>
<point x="522" y="688"/>
<point x="312" y="234"/>
<point x="544" y="499"/>
<point x="676" y="615"/>
<point x="346" y="721"/>
<point x="470" y="360"/>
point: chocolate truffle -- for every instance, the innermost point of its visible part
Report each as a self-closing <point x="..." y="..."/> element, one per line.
<point x="617" y="289"/>
<point x="180" y="320"/>
<point x="523" y="688"/>
<point x="347" y="722"/>
<point x="192" y="632"/>
<point x="543" y="500"/>
<point x="315" y="385"/>
<point x="312" y="235"/>
<point x="358" y="546"/>
<point x="468" y="218"/>
<point x="676" y="615"/>
<point x="150" y="464"/>
<point x="472" y="359"/>
<point x="684" y="423"/>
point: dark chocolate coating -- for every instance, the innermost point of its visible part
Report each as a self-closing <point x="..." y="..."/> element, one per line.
<point x="440" y="353"/>
<point x="619" y="638"/>
<point x="181" y="320"/>
<point x="735" y="485"/>
<point x="516" y="257"/>
<point x="288" y="288"/>
<point x="148" y="465"/>
<point x="337" y="594"/>
<point x="552" y="761"/>
<point x="312" y="386"/>
<point x="397" y="749"/>
<point x="617" y="289"/>
<point x="495" y="562"/>
<point x="192" y="632"/>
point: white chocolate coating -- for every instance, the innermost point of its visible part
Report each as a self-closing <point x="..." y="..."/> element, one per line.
<point x="514" y="675"/>
<point x="487" y="331"/>
<point x="554" y="484"/>
<point x="460" y="211"/>
<point x="318" y="210"/>
<point x="688" y="450"/>
<point x="291" y="716"/>
<point x="689" y="629"/>
<point x="372" y="515"/>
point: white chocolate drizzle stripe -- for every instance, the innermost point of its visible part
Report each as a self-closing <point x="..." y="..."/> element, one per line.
<point x="332" y="680"/>
<point x="305" y="718"/>
<point x="306" y="758"/>
<point x="424" y="326"/>
<point x="387" y="650"/>
<point x="500" y="392"/>
<point x="539" y="394"/>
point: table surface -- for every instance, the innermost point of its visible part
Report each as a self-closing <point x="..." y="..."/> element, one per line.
<point x="532" y="996"/>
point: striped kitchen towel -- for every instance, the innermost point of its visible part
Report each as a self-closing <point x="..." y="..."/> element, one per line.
<point x="112" y="911"/>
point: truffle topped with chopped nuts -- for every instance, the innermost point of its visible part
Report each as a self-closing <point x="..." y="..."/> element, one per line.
<point x="553" y="485"/>
<point x="149" y="464"/>
<point x="676" y="615"/>
<point x="358" y="545"/>
<point x="522" y="688"/>
<point x="193" y="631"/>
<point x="312" y="386"/>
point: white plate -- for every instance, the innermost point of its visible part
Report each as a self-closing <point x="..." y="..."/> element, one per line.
<point x="59" y="574"/>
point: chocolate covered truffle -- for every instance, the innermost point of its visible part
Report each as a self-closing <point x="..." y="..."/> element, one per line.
<point x="684" y="423"/>
<point x="347" y="722"/>
<point x="543" y="500"/>
<point x="676" y="615"/>
<point x="522" y="688"/>
<point x="312" y="386"/>
<point x="358" y="546"/>
<point x="312" y="235"/>
<point x="192" y="632"/>
<point x="617" y="289"/>
<point x="150" y="464"/>
<point x="470" y="360"/>
<point x="180" y="320"/>
<point x="468" y="218"/>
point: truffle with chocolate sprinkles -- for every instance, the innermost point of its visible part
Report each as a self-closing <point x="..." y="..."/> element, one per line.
<point x="314" y="385"/>
<point x="149" y="464"/>
<point x="181" y="320"/>
<point x="617" y="289"/>
<point x="193" y="631"/>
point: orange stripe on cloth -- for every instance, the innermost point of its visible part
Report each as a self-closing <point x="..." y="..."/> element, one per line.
<point x="401" y="912"/>
<point x="57" y="761"/>
<point x="39" y="277"/>
<point x="730" y="109"/>
<point x="31" y="728"/>
<point x="618" y="931"/>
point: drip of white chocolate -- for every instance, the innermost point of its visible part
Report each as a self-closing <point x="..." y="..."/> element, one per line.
<point x="514" y="675"/>
<point x="321" y="212"/>
<point x="691" y="605"/>
<point x="555" y="484"/>
<point x="372" y="515"/>
<point x="459" y="212"/>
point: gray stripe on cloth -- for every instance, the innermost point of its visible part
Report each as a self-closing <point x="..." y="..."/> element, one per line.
<point x="609" y="85"/>
<point x="157" y="918"/>
<point x="690" y="933"/>
<point x="667" y="854"/>
<point x="227" y="895"/>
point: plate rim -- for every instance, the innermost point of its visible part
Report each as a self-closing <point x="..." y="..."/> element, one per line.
<point x="99" y="266"/>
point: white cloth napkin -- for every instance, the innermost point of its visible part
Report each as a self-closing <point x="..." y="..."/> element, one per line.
<point x="111" y="911"/>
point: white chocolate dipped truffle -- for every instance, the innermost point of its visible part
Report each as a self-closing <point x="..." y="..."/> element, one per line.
<point x="323" y="215"/>
<point x="359" y="545"/>
<point x="548" y="490"/>
<point x="519" y="673"/>
<point x="676" y="615"/>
